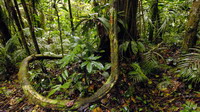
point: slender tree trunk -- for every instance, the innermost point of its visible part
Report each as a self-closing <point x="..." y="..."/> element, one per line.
<point x="71" y="17"/>
<point x="4" y="30"/>
<point x="42" y="20"/>
<point x="154" y="18"/>
<point x="13" y="12"/>
<point x="37" y="23"/>
<point x="59" y="27"/>
<point x="32" y="31"/>
<point x="19" y="13"/>
<point x="143" y="21"/>
<point x="113" y="35"/>
<point x="20" y="19"/>
<point x="192" y="26"/>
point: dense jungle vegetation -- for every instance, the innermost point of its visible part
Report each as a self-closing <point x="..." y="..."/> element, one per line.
<point x="99" y="55"/>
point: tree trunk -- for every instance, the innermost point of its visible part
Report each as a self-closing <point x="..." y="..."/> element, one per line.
<point x="129" y="7"/>
<point x="19" y="13"/>
<point x="190" y="38"/>
<point x="127" y="33"/>
<point x="59" y="27"/>
<point x="4" y="30"/>
<point x="13" y="12"/>
<point x="155" y="19"/>
<point x="143" y="27"/>
<point x="37" y="23"/>
<point x="42" y="19"/>
<point x="31" y="28"/>
<point x="104" y="38"/>
<point x="71" y="17"/>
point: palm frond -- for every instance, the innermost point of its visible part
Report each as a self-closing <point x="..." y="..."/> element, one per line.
<point x="151" y="58"/>
<point x="137" y="75"/>
<point x="189" y="66"/>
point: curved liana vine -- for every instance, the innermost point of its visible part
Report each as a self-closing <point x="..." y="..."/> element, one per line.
<point x="38" y="99"/>
<point x="34" y="97"/>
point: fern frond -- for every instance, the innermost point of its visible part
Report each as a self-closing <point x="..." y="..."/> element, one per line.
<point x="189" y="66"/>
<point x="137" y="75"/>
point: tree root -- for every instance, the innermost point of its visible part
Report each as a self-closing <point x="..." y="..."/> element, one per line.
<point x="34" y="97"/>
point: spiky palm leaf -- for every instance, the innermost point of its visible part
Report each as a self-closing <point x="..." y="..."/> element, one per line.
<point x="151" y="58"/>
<point x="137" y="75"/>
<point x="189" y="66"/>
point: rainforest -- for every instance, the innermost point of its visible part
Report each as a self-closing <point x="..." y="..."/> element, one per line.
<point x="99" y="56"/>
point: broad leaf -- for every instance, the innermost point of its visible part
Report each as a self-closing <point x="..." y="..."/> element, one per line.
<point x="98" y="65"/>
<point x="124" y="46"/>
<point x="107" y="66"/>
<point x="105" y="22"/>
<point x="84" y="64"/>
<point x="134" y="47"/>
<point x="141" y="47"/>
<point x="67" y="84"/>
<point x="105" y="74"/>
<point x="89" y="67"/>
<point x="55" y="88"/>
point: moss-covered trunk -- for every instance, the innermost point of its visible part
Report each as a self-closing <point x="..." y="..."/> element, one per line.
<point x="190" y="38"/>
<point x="31" y="27"/>
<point x="11" y="9"/>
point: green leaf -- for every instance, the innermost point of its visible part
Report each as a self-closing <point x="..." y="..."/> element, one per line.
<point x="89" y="67"/>
<point x="92" y="57"/>
<point x="60" y="79"/>
<point x="124" y="46"/>
<point x="55" y="88"/>
<point x="52" y="92"/>
<point x="107" y="66"/>
<point x="139" y="98"/>
<point x="141" y="47"/>
<point x="123" y="24"/>
<point x="133" y="73"/>
<point x="105" y="74"/>
<point x="79" y="86"/>
<point x="65" y="75"/>
<point x="105" y="22"/>
<point x="134" y="47"/>
<point x="67" y="84"/>
<point x="64" y="8"/>
<point x="79" y="23"/>
<point x="98" y="65"/>
<point x="84" y="64"/>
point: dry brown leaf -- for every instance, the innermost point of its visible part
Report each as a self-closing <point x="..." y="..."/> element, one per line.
<point x="98" y="109"/>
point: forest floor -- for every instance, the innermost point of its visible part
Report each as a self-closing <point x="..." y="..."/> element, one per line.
<point x="12" y="99"/>
<point x="124" y="97"/>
